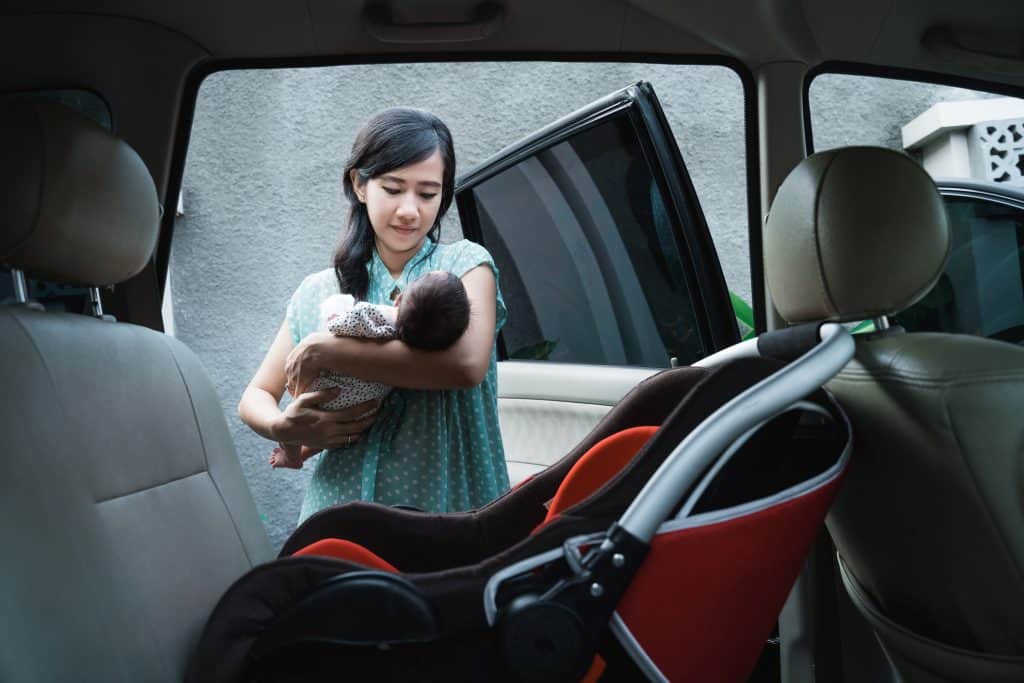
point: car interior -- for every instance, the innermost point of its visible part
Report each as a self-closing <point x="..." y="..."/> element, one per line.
<point x="803" y="505"/>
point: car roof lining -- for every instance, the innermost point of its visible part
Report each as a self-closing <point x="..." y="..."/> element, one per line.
<point x="152" y="51"/>
<point x="885" y="32"/>
<point x="52" y="43"/>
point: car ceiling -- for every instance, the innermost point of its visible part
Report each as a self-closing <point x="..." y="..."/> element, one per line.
<point x="877" y="31"/>
<point x="138" y="55"/>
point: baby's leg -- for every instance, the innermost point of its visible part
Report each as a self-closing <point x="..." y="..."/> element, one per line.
<point x="287" y="455"/>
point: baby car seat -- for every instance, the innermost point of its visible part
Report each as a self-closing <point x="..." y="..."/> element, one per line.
<point x="661" y="548"/>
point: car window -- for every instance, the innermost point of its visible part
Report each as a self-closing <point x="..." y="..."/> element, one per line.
<point x="972" y="144"/>
<point x="981" y="291"/>
<point x="588" y="254"/>
<point x="263" y="206"/>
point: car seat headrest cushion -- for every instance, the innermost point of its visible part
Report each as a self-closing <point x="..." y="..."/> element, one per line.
<point x="80" y="205"/>
<point x="854" y="233"/>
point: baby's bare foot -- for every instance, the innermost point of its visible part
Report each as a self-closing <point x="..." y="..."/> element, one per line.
<point x="285" y="457"/>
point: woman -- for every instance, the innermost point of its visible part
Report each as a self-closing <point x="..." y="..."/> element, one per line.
<point x="435" y="442"/>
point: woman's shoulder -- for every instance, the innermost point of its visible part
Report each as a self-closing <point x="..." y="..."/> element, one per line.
<point x="462" y="256"/>
<point x="321" y="283"/>
<point x="303" y="312"/>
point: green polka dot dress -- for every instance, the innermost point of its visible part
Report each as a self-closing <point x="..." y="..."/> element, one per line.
<point x="437" y="450"/>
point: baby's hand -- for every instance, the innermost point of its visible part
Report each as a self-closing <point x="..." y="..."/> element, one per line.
<point x="287" y="455"/>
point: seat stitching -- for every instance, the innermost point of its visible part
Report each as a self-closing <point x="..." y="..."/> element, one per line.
<point x="149" y="488"/>
<point x="42" y="359"/>
<point x="202" y="444"/>
<point x="995" y="377"/>
<point x="41" y="190"/>
<point x="818" y="192"/>
<point x="57" y="394"/>
<point x="974" y="480"/>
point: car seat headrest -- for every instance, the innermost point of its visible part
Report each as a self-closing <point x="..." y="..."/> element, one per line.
<point x="80" y="205"/>
<point x="854" y="233"/>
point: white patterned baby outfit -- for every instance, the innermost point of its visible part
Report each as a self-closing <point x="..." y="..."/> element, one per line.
<point x="342" y="316"/>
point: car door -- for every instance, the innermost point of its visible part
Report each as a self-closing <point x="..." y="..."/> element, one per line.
<point x="605" y="264"/>
<point x="981" y="289"/>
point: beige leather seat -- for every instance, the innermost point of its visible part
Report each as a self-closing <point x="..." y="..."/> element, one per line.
<point x="123" y="508"/>
<point x="930" y="522"/>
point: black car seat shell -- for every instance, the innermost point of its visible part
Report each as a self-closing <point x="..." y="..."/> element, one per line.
<point x="125" y="511"/>
<point x="930" y="523"/>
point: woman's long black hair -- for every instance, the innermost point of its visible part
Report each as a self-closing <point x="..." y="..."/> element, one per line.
<point x="390" y="140"/>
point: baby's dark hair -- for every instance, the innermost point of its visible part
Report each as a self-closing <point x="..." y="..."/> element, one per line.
<point x="433" y="312"/>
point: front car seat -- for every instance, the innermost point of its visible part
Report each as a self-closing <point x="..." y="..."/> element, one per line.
<point x="930" y="522"/>
<point x="125" y="511"/>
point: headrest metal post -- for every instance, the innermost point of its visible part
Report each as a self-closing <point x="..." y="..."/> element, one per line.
<point x="20" y="286"/>
<point x="882" y="323"/>
<point x="95" y="303"/>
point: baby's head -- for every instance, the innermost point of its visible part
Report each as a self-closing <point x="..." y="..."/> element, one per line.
<point x="433" y="311"/>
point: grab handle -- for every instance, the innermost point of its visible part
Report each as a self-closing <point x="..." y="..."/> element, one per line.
<point x="487" y="19"/>
<point x="944" y="43"/>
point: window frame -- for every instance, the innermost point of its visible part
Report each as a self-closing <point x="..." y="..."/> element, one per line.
<point x="973" y="189"/>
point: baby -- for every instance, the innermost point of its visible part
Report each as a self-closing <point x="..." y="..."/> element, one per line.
<point x="431" y="314"/>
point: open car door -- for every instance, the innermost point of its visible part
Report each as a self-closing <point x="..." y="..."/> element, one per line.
<point x="605" y="263"/>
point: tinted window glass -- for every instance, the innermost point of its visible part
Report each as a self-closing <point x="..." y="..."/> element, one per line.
<point x="981" y="291"/>
<point x="587" y="254"/>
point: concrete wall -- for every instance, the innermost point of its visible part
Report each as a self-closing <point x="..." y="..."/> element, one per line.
<point x="263" y="206"/>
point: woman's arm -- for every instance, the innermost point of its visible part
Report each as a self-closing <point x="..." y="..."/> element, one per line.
<point x="462" y="366"/>
<point x="302" y="422"/>
<point x="258" y="407"/>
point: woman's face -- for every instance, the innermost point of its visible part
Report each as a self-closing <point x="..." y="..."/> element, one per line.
<point x="402" y="204"/>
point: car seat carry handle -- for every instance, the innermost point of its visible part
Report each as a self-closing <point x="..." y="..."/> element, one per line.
<point x="789" y="343"/>
<point x="834" y="347"/>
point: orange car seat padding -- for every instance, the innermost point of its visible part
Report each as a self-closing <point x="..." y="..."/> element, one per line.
<point x="598" y="465"/>
<point x="341" y="549"/>
<point x="595" y="671"/>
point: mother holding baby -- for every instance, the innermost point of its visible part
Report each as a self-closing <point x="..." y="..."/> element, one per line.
<point x="433" y="442"/>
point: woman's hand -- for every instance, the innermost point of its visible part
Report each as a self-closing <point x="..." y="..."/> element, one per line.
<point x="304" y="422"/>
<point x="304" y="362"/>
